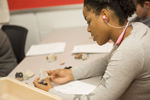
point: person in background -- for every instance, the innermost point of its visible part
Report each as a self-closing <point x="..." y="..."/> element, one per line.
<point x="7" y="58"/>
<point x="125" y="70"/>
<point x="142" y="12"/>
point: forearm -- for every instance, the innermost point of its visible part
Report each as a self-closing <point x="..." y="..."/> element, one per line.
<point x="115" y="81"/>
<point x="92" y="69"/>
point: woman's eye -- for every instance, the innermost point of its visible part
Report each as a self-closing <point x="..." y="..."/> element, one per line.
<point x="88" y="22"/>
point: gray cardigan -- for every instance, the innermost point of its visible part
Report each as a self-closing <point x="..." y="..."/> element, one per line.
<point x="125" y="70"/>
<point x="7" y="58"/>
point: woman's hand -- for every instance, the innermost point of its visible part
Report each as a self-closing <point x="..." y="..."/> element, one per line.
<point x="60" y="76"/>
<point x="41" y="86"/>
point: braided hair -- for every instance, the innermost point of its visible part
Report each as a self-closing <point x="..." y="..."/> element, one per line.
<point x="122" y="8"/>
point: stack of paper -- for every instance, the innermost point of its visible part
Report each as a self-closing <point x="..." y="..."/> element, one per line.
<point x="46" y="49"/>
<point x="93" y="48"/>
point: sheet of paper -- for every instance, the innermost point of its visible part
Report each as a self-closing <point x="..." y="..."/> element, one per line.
<point x="43" y="49"/>
<point x="93" y="48"/>
<point x="75" y="87"/>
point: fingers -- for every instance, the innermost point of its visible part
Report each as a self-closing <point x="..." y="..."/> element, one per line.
<point x="44" y="87"/>
<point x="36" y="84"/>
<point x="54" y="74"/>
<point x="47" y="80"/>
<point x="51" y="77"/>
<point x="49" y="85"/>
<point x="56" y="71"/>
<point x="36" y="81"/>
<point x="49" y="72"/>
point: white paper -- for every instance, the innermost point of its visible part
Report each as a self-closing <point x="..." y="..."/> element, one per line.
<point x="93" y="48"/>
<point x="75" y="87"/>
<point x="46" y="49"/>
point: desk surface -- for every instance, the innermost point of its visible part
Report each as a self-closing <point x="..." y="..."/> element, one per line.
<point x="72" y="36"/>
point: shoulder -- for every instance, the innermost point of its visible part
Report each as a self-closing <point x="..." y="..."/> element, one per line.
<point x="6" y="51"/>
<point x="139" y="30"/>
<point x="2" y="35"/>
<point x="139" y="26"/>
<point x="128" y="56"/>
<point x="4" y="41"/>
<point x="130" y="46"/>
<point x="7" y="58"/>
<point x="130" y="50"/>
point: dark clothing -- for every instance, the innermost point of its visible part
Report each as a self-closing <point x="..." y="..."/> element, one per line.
<point x="145" y="21"/>
<point x="7" y="58"/>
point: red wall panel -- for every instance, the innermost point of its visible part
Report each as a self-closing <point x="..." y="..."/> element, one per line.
<point x="29" y="4"/>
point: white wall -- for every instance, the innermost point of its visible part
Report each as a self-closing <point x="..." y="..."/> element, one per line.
<point x="28" y="21"/>
<point x="41" y="23"/>
<point x="48" y="21"/>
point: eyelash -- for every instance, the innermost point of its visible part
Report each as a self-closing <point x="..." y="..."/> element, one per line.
<point x="88" y="22"/>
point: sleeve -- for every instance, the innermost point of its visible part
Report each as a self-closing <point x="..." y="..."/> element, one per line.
<point x="92" y="69"/>
<point x="7" y="58"/>
<point x="123" y="67"/>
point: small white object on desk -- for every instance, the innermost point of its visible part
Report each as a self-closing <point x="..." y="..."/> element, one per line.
<point x="93" y="48"/>
<point x="52" y="57"/>
<point x="43" y="49"/>
<point x="27" y="74"/>
<point x="42" y="76"/>
<point x="61" y="62"/>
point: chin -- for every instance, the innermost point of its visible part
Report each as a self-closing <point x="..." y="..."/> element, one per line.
<point x="140" y="16"/>
<point x="101" y="43"/>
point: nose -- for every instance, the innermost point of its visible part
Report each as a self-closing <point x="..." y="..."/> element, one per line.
<point x="88" y="29"/>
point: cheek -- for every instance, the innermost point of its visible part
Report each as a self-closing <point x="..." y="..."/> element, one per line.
<point x="140" y="12"/>
<point x="95" y="28"/>
<point x="99" y="31"/>
<point x="104" y="35"/>
<point x="98" y="28"/>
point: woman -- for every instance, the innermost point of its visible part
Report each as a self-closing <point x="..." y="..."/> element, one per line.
<point x="126" y="69"/>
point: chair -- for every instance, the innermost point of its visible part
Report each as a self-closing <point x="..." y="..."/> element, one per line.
<point x="17" y="36"/>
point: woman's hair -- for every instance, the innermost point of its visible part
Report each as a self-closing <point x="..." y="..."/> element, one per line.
<point x="122" y="8"/>
<point x="141" y="2"/>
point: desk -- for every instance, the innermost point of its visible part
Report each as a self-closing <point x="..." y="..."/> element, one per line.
<point x="72" y="36"/>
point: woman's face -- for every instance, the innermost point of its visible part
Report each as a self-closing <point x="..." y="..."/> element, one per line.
<point x="96" y="26"/>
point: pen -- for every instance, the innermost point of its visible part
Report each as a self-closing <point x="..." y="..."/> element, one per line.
<point x="42" y="83"/>
<point x="68" y="67"/>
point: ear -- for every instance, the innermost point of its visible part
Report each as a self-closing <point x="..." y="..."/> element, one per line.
<point x="105" y="13"/>
<point x="147" y="4"/>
